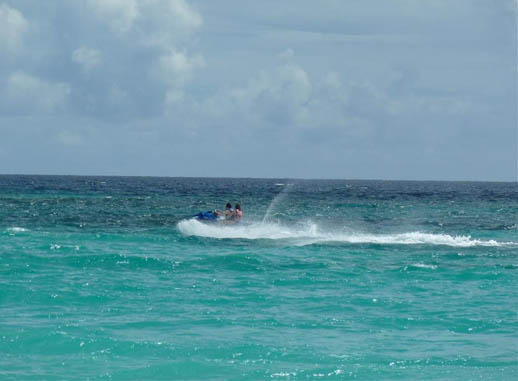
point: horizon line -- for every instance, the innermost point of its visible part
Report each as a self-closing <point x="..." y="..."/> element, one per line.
<point x="261" y="178"/>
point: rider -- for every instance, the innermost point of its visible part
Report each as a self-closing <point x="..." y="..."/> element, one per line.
<point x="237" y="214"/>
<point x="227" y="213"/>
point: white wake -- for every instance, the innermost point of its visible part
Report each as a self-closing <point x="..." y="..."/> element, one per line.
<point x="310" y="233"/>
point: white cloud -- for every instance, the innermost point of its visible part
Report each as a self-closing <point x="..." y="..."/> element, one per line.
<point x="166" y="23"/>
<point x="287" y="96"/>
<point x="178" y="11"/>
<point x="26" y="93"/>
<point x="125" y="37"/>
<point x="157" y="33"/>
<point x="86" y="57"/>
<point x="157" y="23"/>
<point x="13" y="26"/>
<point x="289" y="82"/>
<point x="280" y="96"/>
<point x="119" y="14"/>
<point x="175" y="70"/>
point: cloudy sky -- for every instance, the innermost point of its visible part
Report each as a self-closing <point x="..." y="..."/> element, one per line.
<point x="374" y="89"/>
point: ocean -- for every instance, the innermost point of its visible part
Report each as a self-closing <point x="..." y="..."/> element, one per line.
<point x="110" y="278"/>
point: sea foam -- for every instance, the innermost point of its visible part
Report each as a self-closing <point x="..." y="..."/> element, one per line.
<point x="310" y="233"/>
<point x="16" y="229"/>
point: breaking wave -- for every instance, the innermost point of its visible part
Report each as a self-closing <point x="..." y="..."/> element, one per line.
<point x="310" y="233"/>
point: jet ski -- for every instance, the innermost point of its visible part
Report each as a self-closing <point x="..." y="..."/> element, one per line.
<point x="208" y="216"/>
<point x="212" y="217"/>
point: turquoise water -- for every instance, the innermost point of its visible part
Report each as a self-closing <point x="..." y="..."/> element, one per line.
<point x="109" y="279"/>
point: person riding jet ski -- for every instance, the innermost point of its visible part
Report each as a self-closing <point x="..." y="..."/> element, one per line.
<point x="227" y="213"/>
<point x="227" y="216"/>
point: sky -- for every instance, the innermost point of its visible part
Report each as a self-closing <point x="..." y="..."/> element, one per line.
<point x="348" y="89"/>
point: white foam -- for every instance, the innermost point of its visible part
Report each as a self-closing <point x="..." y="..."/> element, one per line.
<point x="254" y="231"/>
<point x="424" y="266"/>
<point x="310" y="233"/>
<point x="16" y="229"/>
<point x="417" y="238"/>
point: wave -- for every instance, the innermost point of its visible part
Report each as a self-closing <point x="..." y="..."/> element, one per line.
<point x="422" y="266"/>
<point x="16" y="229"/>
<point x="310" y="233"/>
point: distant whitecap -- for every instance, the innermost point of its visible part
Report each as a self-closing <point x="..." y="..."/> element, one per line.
<point x="17" y="229"/>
